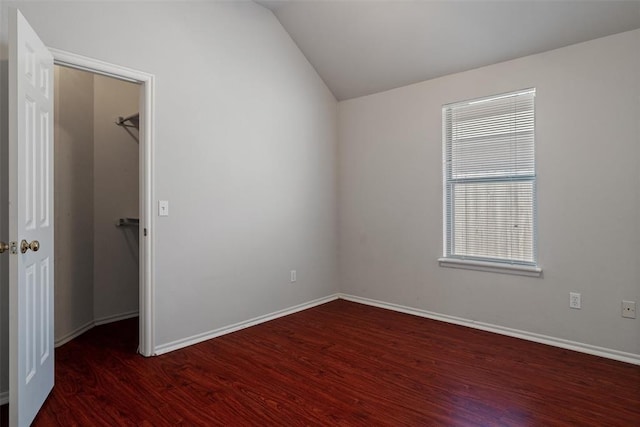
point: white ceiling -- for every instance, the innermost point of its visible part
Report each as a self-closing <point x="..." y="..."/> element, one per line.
<point x="363" y="47"/>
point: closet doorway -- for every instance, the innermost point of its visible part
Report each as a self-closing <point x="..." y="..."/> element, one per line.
<point x="97" y="201"/>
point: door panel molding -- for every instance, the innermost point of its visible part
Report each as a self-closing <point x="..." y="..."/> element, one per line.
<point x="31" y="357"/>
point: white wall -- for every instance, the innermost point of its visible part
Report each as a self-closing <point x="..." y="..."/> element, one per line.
<point x="245" y="152"/>
<point x="115" y="190"/>
<point x="588" y="154"/>
<point x="73" y="199"/>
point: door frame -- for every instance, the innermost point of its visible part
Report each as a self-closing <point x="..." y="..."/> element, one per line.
<point x="146" y="162"/>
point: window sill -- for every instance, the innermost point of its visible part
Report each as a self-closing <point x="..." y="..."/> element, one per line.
<point x="494" y="267"/>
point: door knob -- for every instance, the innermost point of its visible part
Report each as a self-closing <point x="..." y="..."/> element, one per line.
<point x="25" y="246"/>
<point x="3" y="247"/>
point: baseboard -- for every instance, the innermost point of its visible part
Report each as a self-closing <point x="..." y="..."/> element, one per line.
<point x="74" y="334"/>
<point x="529" y="336"/>
<point x="115" y="318"/>
<point x="4" y="398"/>
<point x="195" y="339"/>
<point x="96" y="322"/>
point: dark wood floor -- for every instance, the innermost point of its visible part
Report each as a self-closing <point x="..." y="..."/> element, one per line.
<point x="339" y="364"/>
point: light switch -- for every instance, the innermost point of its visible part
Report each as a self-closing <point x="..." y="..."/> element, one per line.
<point x="163" y="207"/>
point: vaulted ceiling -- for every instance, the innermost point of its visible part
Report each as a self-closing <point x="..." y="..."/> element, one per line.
<point x="361" y="47"/>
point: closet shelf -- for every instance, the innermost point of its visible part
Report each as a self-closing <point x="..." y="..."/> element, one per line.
<point x="128" y="222"/>
<point x="132" y="121"/>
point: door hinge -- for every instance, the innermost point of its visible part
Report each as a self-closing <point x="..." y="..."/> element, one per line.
<point x="145" y="231"/>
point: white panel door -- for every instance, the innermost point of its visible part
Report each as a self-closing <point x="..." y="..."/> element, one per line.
<point x="30" y="221"/>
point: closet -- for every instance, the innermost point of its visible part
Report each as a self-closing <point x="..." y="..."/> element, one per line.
<point x="96" y="201"/>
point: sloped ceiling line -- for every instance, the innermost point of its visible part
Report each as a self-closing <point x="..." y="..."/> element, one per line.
<point x="364" y="47"/>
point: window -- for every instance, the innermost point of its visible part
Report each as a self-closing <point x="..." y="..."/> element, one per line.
<point x="490" y="184"/>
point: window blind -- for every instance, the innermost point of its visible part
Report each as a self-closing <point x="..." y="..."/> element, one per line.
<point x="490" y="179"/>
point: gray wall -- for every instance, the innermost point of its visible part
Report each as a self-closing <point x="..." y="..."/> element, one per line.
<point x="245" y="152"/>
<point x="588" y="154"/>
<point x="115" y="253"/>
<point x="73" y="199"/>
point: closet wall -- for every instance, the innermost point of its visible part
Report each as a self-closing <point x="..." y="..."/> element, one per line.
<point x="96" y="182"/>
<point x="115" y="185"/>
<point x="73" y="200"/>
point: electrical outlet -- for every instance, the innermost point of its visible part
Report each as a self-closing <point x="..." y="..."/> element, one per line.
<point x="629" y="309"/>
<point x="575" y="300"/>
<point x="293" y="276"/>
